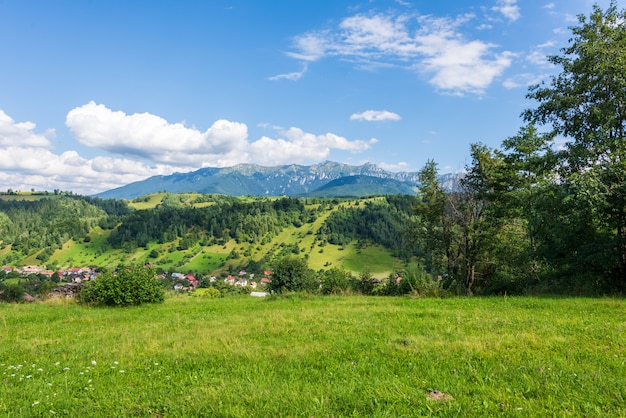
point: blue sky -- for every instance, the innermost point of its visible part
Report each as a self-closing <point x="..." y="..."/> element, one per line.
<point x="98" y="94"/>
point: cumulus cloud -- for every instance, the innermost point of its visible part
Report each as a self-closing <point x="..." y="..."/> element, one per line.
<point x="27" y="161"/>
<point x="509" y="9"/>
<point x="24" y="168"/>
<point x="143" y="135"/>
<point x="21" y="134"/>
<point x="375" y="116"/>
<point x="144" y="145"/>
<point x="430" y="45"/>
<point x="225" y="143"/>
<point x="298" y="146"/>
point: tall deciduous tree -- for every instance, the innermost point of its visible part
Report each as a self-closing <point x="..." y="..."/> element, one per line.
<point x="586" y="103"/>
<point x="433" y="229"/>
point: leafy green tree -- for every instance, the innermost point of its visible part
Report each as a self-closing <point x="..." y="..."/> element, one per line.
<point x="335" y="281"/>
<point x="432" y="230"/>
<point x="292" y="274"/>
<point x="586" y="103"/>
<point x="469" y="211"/>
<point x="128" y="285"/>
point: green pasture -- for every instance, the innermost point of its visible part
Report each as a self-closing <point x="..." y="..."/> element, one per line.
<point x="316" y="357"/>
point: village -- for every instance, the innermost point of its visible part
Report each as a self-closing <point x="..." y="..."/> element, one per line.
<point x="70" y="281"/>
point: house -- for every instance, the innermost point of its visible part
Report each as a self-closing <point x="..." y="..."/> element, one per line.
<point x="193" y="282"/>
<point x="241" y="282"/>
<point x="229" y="280"/>
<point x="265" y="280"/>
<point x="32" y="270"/>
<point x="178" y="286"/>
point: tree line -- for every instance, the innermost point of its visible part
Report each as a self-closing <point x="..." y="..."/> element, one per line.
<point x="546" y="210"/>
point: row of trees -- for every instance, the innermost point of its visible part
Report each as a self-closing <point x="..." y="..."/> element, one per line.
<point x="530" y="215"/>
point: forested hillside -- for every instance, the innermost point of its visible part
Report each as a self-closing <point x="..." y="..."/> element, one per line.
<point x="203" y="233"/>
<point x="45" y="224"/>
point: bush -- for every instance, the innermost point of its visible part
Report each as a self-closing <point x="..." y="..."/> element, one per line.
<point x="212" y="292"/>
<point x="128" y="285"/>
<point x="335" y="281"/>
<point x="12" y="293"/>
<point x="292" y="274"/>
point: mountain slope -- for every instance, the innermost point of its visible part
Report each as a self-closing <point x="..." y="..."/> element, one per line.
<point x="255" y="180"/>
<point x="359" y="186"/>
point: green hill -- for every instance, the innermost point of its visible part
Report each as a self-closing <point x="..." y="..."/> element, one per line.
<point x="201" y="234"/>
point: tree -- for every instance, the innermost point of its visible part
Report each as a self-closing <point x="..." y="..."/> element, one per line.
<point x="586" y="103"/>
<point x="469" y="206"/>
<point x="291" y="274"/>
<point x="128" y="285"/>
<point x="432" y="230"/>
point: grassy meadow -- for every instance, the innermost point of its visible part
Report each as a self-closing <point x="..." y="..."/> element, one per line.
<point x="316" y="357"/>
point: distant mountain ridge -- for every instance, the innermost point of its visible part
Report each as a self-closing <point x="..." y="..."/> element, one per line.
<point x="286" y="180"/>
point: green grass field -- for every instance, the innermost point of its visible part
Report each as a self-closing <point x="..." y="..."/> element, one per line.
<point x="316" y="357"/>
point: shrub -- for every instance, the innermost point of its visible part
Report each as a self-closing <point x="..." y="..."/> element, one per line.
<point x="335" y="281"/>
<point x="12" y="293"/>
<point x="292" y="274"/>
<point x="212" y="292"/>
<point x="128" y="285"/>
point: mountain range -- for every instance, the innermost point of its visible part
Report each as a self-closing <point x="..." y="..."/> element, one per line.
<point x="327" y="179"/>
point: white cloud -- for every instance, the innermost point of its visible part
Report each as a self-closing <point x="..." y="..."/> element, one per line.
<point x="311" y="47"/>
<point x="434" y="46"/>
<point x="144" y="145"/>
<point x="299" y="146"/>
<point x="21" y="134"/>
<point x="293" y="76"/>
<point x="401" y="166"/>
<point x="225" y="143"/>
<point x="375" y="116"/>
<point x="24" y="168"/>
<point x="143" y="135"/>
<point x="460" y="66"/>
<point x="539" y="57"/>
<point x="523" y="80"/>
<point x="509" y="9"/>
